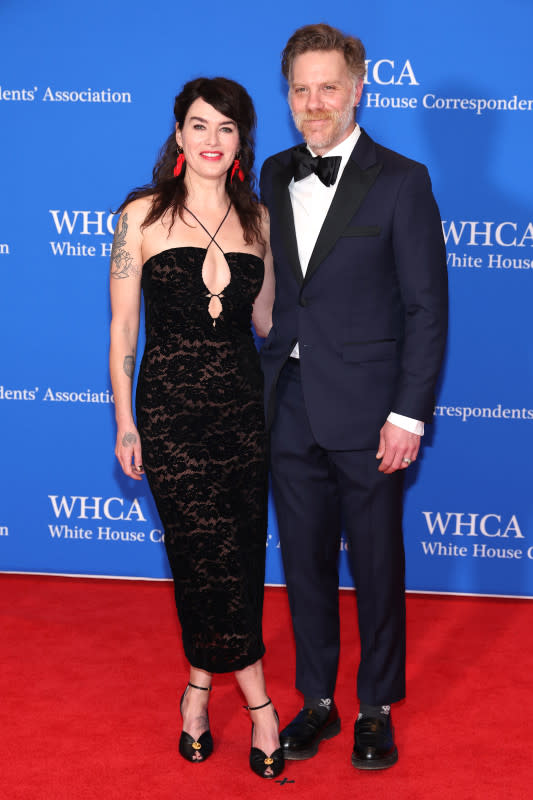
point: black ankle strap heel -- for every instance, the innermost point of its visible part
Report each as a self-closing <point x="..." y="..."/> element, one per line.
<point x="195" y="750"/>
<point x="265" y="766"/>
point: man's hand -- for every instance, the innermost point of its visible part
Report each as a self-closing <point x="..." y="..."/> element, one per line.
<point x="397" y="448"/>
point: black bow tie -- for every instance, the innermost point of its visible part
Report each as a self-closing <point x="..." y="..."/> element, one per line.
<point x="304" y="164"/>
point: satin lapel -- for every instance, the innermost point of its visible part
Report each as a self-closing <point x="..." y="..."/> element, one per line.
<point x="353" y="188"/>
<point x="283" y="206"/>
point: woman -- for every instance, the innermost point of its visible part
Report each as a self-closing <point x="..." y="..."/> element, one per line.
<point x="196" y="241"/>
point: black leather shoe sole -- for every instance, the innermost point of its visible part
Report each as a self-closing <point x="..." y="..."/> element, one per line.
<point x="383" y="762"/>
<point x="312" y="749"/>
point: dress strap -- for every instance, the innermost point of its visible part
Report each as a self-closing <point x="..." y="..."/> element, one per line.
<point x="213" y="239"/>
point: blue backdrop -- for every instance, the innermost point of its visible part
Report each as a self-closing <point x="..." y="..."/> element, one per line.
<point x="86" y="94"/>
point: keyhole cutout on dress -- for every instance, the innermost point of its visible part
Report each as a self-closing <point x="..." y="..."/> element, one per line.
<point x="216" y="277"/>
<point x="216" y="274"/>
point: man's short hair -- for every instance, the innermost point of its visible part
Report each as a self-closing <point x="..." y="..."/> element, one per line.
<point x="324" y="37"/>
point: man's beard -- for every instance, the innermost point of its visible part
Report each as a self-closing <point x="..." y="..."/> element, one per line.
<point x="341" y="120"/>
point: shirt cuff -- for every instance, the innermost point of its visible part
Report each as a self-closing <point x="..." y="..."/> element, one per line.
<point x="407" y="423"/>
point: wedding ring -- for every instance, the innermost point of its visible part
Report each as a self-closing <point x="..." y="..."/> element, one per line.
<point x="406" y="460"/>
<point x="139" y="467"/>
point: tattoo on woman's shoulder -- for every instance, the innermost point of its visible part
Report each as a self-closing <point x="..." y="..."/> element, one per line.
<point x="122" y="263"/>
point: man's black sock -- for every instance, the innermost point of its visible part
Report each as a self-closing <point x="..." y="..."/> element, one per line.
<point x="373" y="711"/>
<point x="321" y="705"/>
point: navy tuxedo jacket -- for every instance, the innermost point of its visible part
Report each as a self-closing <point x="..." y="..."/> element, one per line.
<point x="370" y="316"/>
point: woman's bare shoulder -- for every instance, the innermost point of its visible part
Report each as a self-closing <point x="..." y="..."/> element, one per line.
<point x="265" y="216"/>
<point x="137" y="210"/>
<point x="265" y="223"/>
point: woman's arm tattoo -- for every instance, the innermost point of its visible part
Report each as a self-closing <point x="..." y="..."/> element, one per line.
<point x="122" y="264"/>
<point x="129" y="366"/>
<point x="128" y="438"/>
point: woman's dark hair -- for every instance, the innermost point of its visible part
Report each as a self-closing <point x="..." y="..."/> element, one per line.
<point x="170" y="194"/>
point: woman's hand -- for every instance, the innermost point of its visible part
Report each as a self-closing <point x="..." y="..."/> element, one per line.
<point x="128" y="451"/>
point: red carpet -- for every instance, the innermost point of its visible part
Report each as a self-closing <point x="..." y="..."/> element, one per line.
<point x="92" y="671"/>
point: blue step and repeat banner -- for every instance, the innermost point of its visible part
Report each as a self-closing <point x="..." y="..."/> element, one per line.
<point x="86" y="95"/>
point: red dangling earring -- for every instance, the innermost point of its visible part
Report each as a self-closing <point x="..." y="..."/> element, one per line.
<point x="236" y="169"/>
<point x="179" y="162"/>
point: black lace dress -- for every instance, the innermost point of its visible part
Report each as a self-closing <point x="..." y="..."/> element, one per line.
<point x="200" y="418"/>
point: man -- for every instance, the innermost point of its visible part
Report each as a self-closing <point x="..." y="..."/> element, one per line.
<point x="350" y="367"/>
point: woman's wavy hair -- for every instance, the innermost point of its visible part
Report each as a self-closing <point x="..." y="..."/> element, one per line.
<point x="169" y="194"/>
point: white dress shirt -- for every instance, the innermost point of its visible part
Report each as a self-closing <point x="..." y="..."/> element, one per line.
<point x="310" y="201"/>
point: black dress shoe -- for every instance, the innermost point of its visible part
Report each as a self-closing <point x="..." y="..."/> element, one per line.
<point x="301" y="737"/>
<point x="374" y="746"/>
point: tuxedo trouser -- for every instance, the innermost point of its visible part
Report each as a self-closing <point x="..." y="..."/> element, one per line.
<point x="317" y="493"/>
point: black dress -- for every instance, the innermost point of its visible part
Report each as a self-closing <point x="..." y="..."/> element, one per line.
<point x="200" y="418"/>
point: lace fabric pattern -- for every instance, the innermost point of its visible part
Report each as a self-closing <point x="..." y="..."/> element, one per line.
<point x="200" y="417"/>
